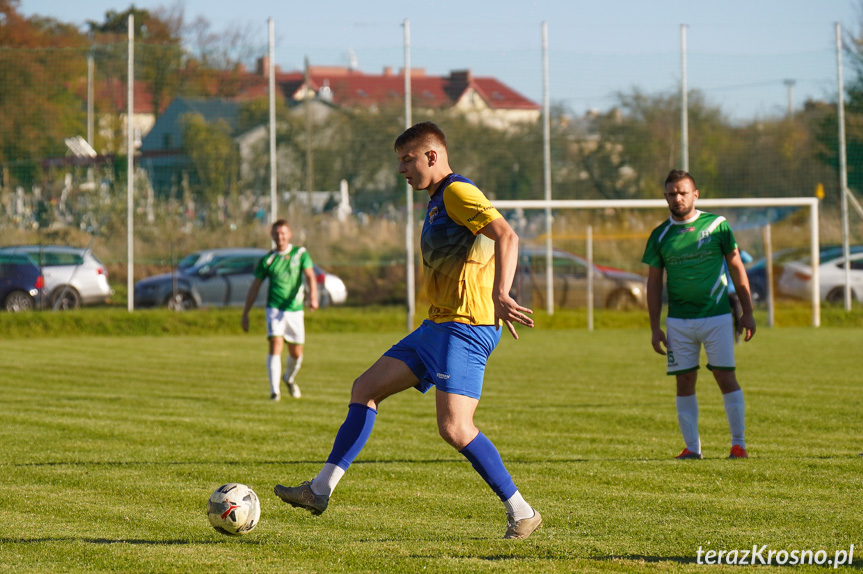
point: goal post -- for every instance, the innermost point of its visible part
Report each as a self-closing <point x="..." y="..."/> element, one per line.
<point x="810" y="202"/>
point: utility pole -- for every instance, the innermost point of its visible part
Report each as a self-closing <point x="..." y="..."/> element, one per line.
<point x="790" y="85"/>
<point x="308" y="96"/>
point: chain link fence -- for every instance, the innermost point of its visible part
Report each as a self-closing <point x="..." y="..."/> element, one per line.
<point x="758" y="126"/>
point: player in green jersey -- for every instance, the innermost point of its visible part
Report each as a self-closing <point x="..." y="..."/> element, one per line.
<point x="690" y="247"/>
<point x="285" y="266"/>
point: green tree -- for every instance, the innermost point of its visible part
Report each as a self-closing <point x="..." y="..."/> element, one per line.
<point x="214" y="157"/>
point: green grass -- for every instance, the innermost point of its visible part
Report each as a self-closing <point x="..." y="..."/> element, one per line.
<point x="117" y="321"/>
<point x="113" y="444"/>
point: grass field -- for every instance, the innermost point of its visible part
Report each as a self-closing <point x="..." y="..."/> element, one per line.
<point x="113" y="444"/>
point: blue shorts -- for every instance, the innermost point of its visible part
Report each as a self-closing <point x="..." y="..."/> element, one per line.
<point x="451" y="356"/>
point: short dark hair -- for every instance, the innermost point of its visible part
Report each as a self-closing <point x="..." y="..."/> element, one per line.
<point x="279" y="223"/>
<point x="423" y="132"/>
<point x="676" y="175"/>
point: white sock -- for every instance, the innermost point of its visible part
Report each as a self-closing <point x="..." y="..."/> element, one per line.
<point x="517" y="507"/>
<point x="292" y="367"/>
<point x="734" y="411"/>
<point x="325" y="483"/>
<point x="687" y="418"/>
<point x="274" y="370"/>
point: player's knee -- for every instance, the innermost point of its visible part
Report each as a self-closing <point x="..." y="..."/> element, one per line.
<point x="727" y="381"/>
<point x="686" y="384"/>
<point x="364" y="392"/>
<point x="456" y="435"/>
<point x="358" y="391"/>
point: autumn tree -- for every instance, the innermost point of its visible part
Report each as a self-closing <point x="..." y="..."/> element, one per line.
<point x="40" y="59"/>
<point x="158" y="49"/>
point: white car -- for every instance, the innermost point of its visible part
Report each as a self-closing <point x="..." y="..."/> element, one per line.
<point x="796" y="278"/>
<point x="73" y="276"/>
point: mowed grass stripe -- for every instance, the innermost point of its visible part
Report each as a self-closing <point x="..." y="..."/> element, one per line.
<point x="114" y="444"/>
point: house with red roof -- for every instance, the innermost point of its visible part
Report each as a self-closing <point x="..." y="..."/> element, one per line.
<point x="323" y="90"/>
<point x="484" y="100"/>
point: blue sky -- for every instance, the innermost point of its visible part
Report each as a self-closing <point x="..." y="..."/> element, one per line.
<point x="739" y="53"/>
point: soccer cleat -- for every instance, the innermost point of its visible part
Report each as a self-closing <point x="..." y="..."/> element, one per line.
<point x="688" y="455"/>
<point x="738" y="451"/>
<point x="275" y="397"/>
<point x="519" y="530"/>
<point x="302" y="497"/>
<point x="294" y="388"/>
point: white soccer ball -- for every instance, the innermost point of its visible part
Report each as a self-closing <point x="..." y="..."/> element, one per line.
<point x="234" y="509"/>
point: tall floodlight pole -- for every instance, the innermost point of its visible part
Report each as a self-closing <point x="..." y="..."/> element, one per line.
<point x="546" y="156"/>
<point x="409" y="192"/>
<point x="90" y="110"/>
<point x="790" y="85"/>
<point x="684" y="103"/>
<point x="843" y="178"/>
<point x="271" y="76"/>
<point x="307" y="104"/>
<point x="90" y="100"/>
<point x="130" y="167"/>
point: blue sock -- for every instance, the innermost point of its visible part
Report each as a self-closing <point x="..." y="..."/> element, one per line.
<point x="487" y="462"/>
<point x="352" y="435"/>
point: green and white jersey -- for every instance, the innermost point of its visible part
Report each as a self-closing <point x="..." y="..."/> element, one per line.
<point x="285" y="271"/>
<point x="692" y="253"/>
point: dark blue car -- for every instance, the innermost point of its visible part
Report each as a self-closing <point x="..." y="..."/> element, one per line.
<point x="21" y="282"/>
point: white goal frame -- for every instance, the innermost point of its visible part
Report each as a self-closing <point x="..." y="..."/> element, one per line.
<point x="810" y="202"/>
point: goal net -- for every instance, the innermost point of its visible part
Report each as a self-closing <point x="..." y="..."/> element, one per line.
<point x="659" y="204"/>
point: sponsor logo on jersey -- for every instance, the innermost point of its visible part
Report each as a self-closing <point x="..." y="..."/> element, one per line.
<point x="685" y="229"/>
<point x="442" y="376"/>
<point x="479" y="211"/>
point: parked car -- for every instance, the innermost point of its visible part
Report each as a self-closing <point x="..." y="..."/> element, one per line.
<point x="73" y="276"/>
<point x="757" y="271"/>
<point x="21" y="282"/>
<point x="796" y="279"/>
<point x="612" y="288"/>
<point x="221" y="278"/>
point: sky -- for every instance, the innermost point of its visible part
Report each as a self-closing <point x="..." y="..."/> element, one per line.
<point x="750" y="58"/>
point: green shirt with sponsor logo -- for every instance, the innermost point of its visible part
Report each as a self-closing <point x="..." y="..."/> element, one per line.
<point x="692" y="253"/>
<point x="285" y="271"/>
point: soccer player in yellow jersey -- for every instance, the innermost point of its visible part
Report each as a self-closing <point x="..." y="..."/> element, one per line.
<point x="469" y="258"/>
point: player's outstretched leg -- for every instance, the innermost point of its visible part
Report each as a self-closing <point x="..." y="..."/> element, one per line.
<point x="314" y="495"/>
<point x="521" y="519"/>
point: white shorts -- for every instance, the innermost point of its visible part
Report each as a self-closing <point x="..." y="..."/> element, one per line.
<point x="685" y="337"/>
<point x="287" y="324"/>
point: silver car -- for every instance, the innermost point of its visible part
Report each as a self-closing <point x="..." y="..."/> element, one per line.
<point x="73" y="276"/>
<point x="796" y="278"/>
<point x="220" y="278"/>
<point x="612" y="288"/>
<point x="331" y="289"/>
